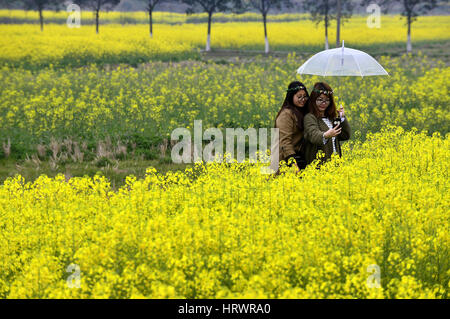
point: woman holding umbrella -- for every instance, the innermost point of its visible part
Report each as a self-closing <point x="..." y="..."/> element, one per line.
<point x="323" y="129"/>
<point x="289" y="121"/>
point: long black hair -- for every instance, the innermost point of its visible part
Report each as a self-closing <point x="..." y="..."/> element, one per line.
<point x="288" y="103"/>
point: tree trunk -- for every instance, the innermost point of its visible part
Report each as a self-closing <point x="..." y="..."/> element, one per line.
<point x="208" y="40"/>
<point x="41" y="19"/>
<point x="266" y="50"/>
<point x="408" y="43"/>
<point x="96" y="20"/>
<point x="338" y="23"/>
<point x="150" y="11"/>
<point x="326" y="32"/>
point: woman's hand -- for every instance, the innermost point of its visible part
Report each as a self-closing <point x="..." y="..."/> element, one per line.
<point x="341" y="111"/>
<point x="332" y="132"/>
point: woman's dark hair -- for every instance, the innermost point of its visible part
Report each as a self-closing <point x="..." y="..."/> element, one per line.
<point x="289" y="103"/>
<point x="322" y="88"/>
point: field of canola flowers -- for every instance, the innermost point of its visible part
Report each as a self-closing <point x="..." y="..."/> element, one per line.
<point x="225" y="231"/>
<point x="222" y="230"/>
<point x="25" y="45"/>
<point x="148" y="102"/>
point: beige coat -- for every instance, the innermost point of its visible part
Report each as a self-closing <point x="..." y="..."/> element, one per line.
<point x="289" y="134"/>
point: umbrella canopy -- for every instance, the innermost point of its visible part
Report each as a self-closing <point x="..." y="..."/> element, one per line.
<point x="342" y="62"/>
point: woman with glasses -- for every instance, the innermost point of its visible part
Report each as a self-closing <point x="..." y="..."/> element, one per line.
<point x="289" y="121"/>
<point x="324" y="129"/>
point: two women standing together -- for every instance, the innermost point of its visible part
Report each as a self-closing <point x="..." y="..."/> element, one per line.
<point x="309" y="123"/>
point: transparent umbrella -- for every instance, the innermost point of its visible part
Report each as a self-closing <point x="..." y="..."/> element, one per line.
<point x="342" y="62"/>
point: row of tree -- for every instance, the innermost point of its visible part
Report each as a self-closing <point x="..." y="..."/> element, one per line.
<point x="321" y="10"/>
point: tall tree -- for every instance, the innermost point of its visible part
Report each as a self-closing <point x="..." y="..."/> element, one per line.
<point x="40" y="5"/>
<point x="411" y="9"/>
<point x="208" y="6"/>
<point x="321" y="10"/>
<point x="344" y="10"/>
<point x="264" y="6"/>
<point x="96" y="6"/>
<point x="150" y="6"/>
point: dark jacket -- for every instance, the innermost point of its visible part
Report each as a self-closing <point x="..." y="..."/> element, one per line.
<point x="314" y="129"/>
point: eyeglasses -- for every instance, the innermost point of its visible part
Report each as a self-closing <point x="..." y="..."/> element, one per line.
<point x="320" y="101"/>
<point x="303" y="98"/>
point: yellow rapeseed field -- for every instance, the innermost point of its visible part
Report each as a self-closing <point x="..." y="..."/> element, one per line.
<point x="153" y="99"/>
<point x="372" y="224"/>
<point x="26" y="45"/>
<point x="223" y="230"/>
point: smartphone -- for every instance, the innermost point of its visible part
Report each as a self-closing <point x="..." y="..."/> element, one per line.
<point x="336" y="121"/>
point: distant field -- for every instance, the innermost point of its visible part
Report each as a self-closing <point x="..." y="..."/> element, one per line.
<point x="26" y="46"/>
